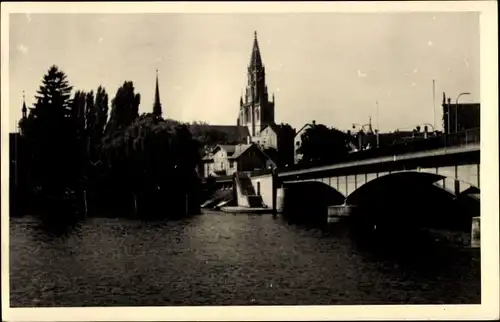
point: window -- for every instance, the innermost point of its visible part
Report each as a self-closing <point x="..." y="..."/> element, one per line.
<point x="297" y="143"/>
<point x="231" y="164"/>
<point x="258" y="188"/>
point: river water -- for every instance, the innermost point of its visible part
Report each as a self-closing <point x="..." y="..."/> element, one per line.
<point x="226" y="259"/>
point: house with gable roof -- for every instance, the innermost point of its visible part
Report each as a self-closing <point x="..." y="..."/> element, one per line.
<point x="227" y="159"/>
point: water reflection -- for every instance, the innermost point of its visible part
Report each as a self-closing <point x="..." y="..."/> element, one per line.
<point x="226" y="259"/>
<point x="57" y="228"/>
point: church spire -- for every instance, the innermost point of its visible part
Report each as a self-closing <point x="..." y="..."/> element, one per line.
<point x="157" y="105"/>
<point x="256" y="59"/>
<point x="24" y="109"/>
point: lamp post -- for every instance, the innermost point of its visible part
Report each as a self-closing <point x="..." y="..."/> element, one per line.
<point x="433" y="103"/>
<point x="378" y="129"/>
<point x="456" y="110"/>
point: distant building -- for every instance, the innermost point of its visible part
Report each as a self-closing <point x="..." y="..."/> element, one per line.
<point x="228" y="159"/>
<point x="268" y="138"/>
<point x="461" y="117"/>
<point x="255" y="122"/>
<point x="298" y="141"/>
<point x="277" y="142"/>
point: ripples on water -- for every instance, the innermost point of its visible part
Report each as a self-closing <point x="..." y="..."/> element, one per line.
<point x="225" y="259"/>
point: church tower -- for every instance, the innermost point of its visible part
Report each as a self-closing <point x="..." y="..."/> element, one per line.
<point x="256" y="111"/>
<point x="157" y="111"/>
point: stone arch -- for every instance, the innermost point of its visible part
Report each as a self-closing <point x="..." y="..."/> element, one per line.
<point x="309" y="200"/>
<point x="393" y="178"/>
<point x="414" y="198"/>
<point x="451" y="185"/>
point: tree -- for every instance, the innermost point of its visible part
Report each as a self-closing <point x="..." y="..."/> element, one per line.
<point x="286" y="136"/>
<point x="152" y="160"/>
<point x="129" y="160"/>
<point x="77" y="110"/>
<point x="90" y="112"/>
<point x="124" y="108"/>
<point x="321" y="144"/>
<point x="208" y="136"/>
<point x="101" y="109"/>
<point x="53" y="96"/>
<point x="51" y="136"/>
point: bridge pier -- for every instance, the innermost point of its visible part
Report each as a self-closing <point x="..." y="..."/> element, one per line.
<point x="339" y="213"/>
<point x="475" y="240"/>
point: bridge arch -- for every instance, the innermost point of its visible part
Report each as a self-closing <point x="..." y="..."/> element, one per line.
<point x="309" y="200"/>
<point x="416" y="198"/>
<point x="451" y="185"/>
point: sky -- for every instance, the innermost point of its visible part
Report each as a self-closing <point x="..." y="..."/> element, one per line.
<point x="332" y="67"/>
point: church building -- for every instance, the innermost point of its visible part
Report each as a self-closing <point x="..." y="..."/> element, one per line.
<point x="256" y="110"/>
<point x="255" y="126"/>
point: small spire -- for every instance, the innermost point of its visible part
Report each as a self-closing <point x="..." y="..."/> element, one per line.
<point x="24" y="109"/>
<point x="157" y="105"/>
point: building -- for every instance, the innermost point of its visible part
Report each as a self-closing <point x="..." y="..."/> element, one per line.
<point x="460" y="117"/>
<point x="277" y="143"/>
<point x="256" y="111"/>
<point x="298" y="141"/>
<point x="255" y="125"/>
<point x="228" y="159"/>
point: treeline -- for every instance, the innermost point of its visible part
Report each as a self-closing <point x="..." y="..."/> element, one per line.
<point x="82" y="153"/>
<point x="323" y="145"/>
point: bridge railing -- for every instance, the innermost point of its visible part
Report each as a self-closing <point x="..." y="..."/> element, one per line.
<point x="465" y="138"/>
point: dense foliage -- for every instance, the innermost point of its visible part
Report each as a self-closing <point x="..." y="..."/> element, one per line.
<point x="321" y="144"/>
<point x="78" y="161"/>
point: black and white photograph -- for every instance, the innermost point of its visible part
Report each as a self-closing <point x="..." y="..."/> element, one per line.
<point x="247" y="156"/>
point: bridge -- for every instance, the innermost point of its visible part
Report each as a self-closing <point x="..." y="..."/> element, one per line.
<point x="439" y="184"/>
<point x="436" y="180"/>
<point x="455" y="169"/>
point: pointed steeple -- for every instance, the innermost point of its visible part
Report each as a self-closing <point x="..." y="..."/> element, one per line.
<point x="256" y="59"/>
<point x="157" y="105"/>
<point x="370" y="129"/>
<point x="24" y="110"/>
